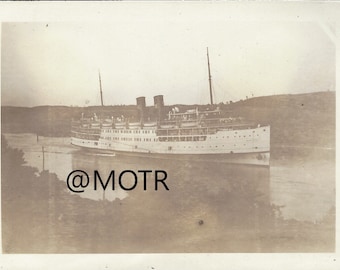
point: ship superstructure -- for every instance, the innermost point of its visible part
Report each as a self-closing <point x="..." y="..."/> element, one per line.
<point x="169" y="133"/>
<point x="200" y="134"/>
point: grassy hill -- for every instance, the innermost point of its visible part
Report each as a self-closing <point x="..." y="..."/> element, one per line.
<point x="296" y="120"/>
<point x="304" y="119"/>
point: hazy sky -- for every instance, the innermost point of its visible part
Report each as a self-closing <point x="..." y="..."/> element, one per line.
<point x="57" y="63"/>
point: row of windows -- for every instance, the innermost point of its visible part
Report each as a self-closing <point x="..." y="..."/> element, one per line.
<point x="125" y="131"/>
<point x="165" y="132"/>
<point x="162" y="139"/>
<point x="182" y="139"/>
<point x="210" y="146"/>
<point x="170" y="147"/>
<point x="86" y="136"/>
<point x="130" y="139"/>
<point x="244" y="136"/>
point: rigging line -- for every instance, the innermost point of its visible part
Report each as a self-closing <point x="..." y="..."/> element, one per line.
<point x="101" y="91"/>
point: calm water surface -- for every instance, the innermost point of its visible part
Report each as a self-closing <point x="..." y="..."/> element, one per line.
<point x="304" y="188"/>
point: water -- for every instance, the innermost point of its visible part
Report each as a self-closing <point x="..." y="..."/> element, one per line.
<point x="305" y="189"/>
<point x="210" y="207"/>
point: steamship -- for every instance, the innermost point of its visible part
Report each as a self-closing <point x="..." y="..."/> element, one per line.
<point x="205" y="135"/>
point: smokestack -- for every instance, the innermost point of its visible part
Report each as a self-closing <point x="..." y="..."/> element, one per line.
<point x="141" y="105"/>
<point x="159" y="105"/>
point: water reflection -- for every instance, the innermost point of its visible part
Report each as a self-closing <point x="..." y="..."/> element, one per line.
<point x="206" y="200"/>
<point x="305" y="187"/>
<point x="208" y="177"/>
<point x="210" y="207"/>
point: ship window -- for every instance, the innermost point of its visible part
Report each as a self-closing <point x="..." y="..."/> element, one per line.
<point x="169" y="148"/>
<point x="264" y="130"/>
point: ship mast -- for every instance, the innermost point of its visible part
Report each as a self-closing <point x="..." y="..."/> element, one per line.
<point x="211" y="95"/>
<point x="101" y="92"/>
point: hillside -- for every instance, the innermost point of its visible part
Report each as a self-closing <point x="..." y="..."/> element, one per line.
<point x="304" y="119"/>
<point x="296" y="120"/>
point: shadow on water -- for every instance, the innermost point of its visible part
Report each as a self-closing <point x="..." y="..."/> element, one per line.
<point x="209" y="207"/>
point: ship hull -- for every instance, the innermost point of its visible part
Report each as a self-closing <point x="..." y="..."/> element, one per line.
<point x="238" y="146"/>
<point x="258" y="159"/>
<point x="255" y="158"/>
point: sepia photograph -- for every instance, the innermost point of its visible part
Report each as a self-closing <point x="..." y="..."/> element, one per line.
<point x="168" y="134"/>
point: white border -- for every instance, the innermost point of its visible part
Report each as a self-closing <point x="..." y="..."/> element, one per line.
<point x="102" y="11"/>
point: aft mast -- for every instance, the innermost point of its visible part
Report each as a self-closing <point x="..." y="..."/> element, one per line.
<point x="211" y="95"/>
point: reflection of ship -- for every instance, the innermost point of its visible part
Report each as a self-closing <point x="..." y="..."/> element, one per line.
<point x="207" y="134"/>
<point x="209" y="177"/>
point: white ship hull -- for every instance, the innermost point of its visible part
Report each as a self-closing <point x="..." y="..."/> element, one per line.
<point x="240" y="146"/>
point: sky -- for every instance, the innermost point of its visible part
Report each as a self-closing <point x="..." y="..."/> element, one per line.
<point x="57" y="63"/>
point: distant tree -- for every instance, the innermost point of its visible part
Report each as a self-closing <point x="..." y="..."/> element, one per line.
<point x="9" y="155"/>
